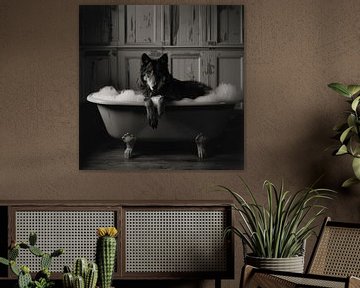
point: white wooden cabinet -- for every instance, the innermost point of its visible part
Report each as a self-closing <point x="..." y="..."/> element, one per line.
<point x="140" y="25"/>
<point x="176" y="25"/>
<point x="228" y="25"/>
<point x="98" y="68"/>
<point x="204" y="43"/>
<point x="184" y="65"/>
<point x="226" y="67"/>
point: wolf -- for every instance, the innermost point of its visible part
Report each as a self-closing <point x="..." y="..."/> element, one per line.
<point x="156" y="80"/>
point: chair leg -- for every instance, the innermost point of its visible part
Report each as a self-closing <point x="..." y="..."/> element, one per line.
<point x="246" y="274"/>
<point x="354" y="282"/>
<point x="250" y="278"/>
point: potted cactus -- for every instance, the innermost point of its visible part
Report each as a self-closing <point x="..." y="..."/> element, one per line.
<point x="84" y="275"/>
<point x="106" y="254"/>
<point x="42" y="278"/>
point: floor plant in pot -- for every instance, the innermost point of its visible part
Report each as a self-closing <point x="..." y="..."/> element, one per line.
<point x="275" y="233"/>
<point x="348" y="133"/>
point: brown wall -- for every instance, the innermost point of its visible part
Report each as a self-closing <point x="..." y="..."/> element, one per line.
<point x="293" y="50"/>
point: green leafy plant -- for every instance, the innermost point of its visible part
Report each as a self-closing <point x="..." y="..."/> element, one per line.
<point x="43" y="283"/>
<point x="279" y="229"/>
<point x="348" y="132"/>
<point x="42" y="278"/>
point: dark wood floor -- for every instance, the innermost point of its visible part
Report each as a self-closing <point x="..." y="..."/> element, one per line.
<point x="111" y="158"/>
<point x="224" y="153"/>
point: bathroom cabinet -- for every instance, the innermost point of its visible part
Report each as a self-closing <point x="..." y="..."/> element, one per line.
<point x="161" y="25"/>
<point x="200" y="40"/>
<point x="98" y="68"/>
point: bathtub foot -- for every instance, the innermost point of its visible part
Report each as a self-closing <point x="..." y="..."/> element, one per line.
<point x="200" y="141"/>
<point x="129" y="141"/>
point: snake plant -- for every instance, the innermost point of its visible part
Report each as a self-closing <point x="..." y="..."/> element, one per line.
<point x="348" y="132"/>
<point x="279" y="228"/>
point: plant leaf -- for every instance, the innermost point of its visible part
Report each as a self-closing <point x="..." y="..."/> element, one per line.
<point x="342" y="150"/>
<point x="349" y="182"/>
<point x="340" y="127"/>
<point x="353" y="89"/>
<point x="14" y="268"/>
<point x="345" y="134"/>
<point x="351" y="120"/>
<point x="354" y="145"/>
<point x="340" y="89"/>
<point x="355" y="103"/>
<point x="356" y="167"/>
<point x="4" y="261"/>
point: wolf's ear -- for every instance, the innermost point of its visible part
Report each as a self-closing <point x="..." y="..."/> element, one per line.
<point x="145" y="58"/>
<point x="163" y="59"/>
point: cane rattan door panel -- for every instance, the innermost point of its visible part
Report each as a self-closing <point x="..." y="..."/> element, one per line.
<point x="165" y="241"/>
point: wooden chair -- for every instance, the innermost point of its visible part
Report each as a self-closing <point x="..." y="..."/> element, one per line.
<point x="334" y="263"/>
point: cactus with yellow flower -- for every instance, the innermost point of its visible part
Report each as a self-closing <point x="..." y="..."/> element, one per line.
<point x="106" y="254"/>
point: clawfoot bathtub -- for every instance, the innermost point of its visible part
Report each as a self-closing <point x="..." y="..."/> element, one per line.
<point x="182" y="121"/>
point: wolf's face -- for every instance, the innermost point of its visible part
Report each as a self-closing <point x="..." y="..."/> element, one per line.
<point x="154" y="71"/>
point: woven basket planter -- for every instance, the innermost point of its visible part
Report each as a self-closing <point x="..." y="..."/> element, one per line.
<point x="291" y="264"/>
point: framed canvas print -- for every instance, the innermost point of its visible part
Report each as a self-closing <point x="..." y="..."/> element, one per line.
<point x="161" y="87"/>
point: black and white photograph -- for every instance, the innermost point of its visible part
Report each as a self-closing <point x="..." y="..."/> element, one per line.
<point x="161" y="87"/>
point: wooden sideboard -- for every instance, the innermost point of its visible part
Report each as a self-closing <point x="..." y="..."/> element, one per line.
<point x="157" y="240"/>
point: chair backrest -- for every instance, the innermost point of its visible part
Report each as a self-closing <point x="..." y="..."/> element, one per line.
<point x="337" y="251"/>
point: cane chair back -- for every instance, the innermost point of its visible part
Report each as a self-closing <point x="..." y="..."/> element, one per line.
<point x="335" y="262"/>
<point x="337" y="252"/>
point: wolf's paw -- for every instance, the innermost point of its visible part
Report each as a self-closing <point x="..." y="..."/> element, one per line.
<point x="151" y="114"/>
<point x="153" y="119"/>
<point x="160" y="106"/>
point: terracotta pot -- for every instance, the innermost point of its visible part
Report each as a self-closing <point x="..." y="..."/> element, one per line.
<point x="291" y="264"/>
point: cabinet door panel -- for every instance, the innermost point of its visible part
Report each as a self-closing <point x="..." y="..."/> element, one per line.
<point x="229" y="24"/>
<point x="182" y="65"/>
<point x="229" y="69"/>
<point x="186" y="25"/>
<point x="129" y="69"/>
<point x="133" y="65"/>
<point x="141" y="24"/>
<point x="98" y="70"/>
<point x="186" y="67"/>
<point x="96" y="24"/>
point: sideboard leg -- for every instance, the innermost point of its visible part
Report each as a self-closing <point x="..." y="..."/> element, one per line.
<point x="217" y="283"/>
